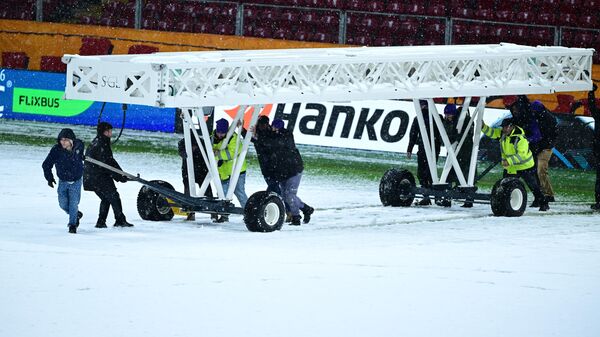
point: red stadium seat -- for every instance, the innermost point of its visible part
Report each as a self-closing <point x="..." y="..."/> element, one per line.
<point x="15" y="60"/>
<point x="282" y="34"/>
<point x="436" y="9"/>
<point x="95" y="46"/>
<point x="461" y="12"/>
<point x="505" y="15"/>
<point x="567" y="19"/>
<point x="518" y="34"/>
<point x="525" y="17"/>
<point x="545" y="18"/>
<point x="302" y="35"/>
<point x="395" y="6"/>
<point x="414" y="8"/>
<point x="484" y="14"/>
<point x="52" y="64"/>
<point x="330" y="20"/>
<point x="588" y="21"/>
<point x="389" y="26"/>
<point x="339" y="4"/>
<point x="374" y="6"/>
<point x="225" y="29"/>
<point x="383" y="41"/>
<point x="142" y="49"/>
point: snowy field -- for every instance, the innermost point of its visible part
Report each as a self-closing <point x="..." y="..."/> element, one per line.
<point x="358" y="269"/>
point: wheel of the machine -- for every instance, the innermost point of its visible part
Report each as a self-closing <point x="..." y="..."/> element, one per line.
<point x="152" y="205"/>
<point x="396" y="188"/>
<point x="509" y="197"/>
<point x="264" y="212"/>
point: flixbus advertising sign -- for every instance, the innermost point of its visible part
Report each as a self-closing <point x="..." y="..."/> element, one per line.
<point x="38" y="96"/>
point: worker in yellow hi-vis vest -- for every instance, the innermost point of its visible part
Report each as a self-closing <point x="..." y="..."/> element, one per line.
<point x="517" y="158"/>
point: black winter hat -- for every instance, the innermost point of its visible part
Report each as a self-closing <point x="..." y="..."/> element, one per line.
<point x="507" y="122"/>
<point x="103" y="126"/>
<point x="66" y="133"/>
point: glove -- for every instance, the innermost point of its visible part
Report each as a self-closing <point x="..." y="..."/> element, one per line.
<point x="219" y="163"/>
<point x="51" y="182"/>
<point x="123" y="179"/>
<point x="594" y="87"/>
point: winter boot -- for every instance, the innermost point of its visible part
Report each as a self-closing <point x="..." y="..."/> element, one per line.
<point x="223" y="218"/>
<point x="214" y="217"/>
<point x="288" y="217"/>
<point x="544" y="205"/>
<point x="191" y="217"/>
<point x="444" y="202"/>
<point x="122" y="222"/>
<point x="307" y="211"/>
<point x="295" y="220"/>
<point x="536" y="203"/>
<point x="79" y="216"/>
<point x="72" y="229"/>
<point x="101" y="223"/>
<point x="424" y="202"/>
<point x="467" y="204"/>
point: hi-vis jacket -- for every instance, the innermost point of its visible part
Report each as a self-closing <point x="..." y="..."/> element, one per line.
<point x="514" y="148"/>
<point x="226" y="156"/>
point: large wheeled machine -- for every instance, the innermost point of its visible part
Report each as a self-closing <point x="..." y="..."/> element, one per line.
<point x="252" y="78"/>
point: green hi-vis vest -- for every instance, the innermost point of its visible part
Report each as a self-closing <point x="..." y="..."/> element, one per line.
<point x="514" y="148"/>
<point x="226" y="155"/>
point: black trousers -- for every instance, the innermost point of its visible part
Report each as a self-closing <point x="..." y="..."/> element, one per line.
<point x="597" y="190"/>
<point x="423" y="173"/>
<point x="531" y="179"/>
<point x="110" y="198"/>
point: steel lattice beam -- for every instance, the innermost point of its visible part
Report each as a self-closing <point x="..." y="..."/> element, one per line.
<point x="191" y="79"/>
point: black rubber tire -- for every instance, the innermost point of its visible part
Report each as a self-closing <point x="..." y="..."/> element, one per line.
<point x="396" y="188"/>
<point x="264" y="212"/>
<point x="509" y="197"/>
<point x="495" y="202"/>
<point x="152" y="205"/>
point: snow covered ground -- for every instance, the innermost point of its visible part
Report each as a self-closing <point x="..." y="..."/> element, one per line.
<point x="358" y="269"/>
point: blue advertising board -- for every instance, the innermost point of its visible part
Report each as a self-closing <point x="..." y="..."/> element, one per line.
<point x="38" y="96"/>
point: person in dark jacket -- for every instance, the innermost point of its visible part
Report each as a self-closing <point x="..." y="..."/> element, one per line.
<point x="102" y="181"/>
<point x="288" y="167"/>
<point x="451" y="114"/>
<point x="263" y="140"/>
<point x="67" y="157"/>
<point x="423" y="173"/>
<point x="547" y="128"/>
<point x="595" y="110"/>
<point x="200" y="171"/>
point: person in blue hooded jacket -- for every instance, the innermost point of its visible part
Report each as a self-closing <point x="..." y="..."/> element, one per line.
<point x="67" y="157"/>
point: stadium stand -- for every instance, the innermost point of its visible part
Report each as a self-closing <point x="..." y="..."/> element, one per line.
<point x="379" y="23"/>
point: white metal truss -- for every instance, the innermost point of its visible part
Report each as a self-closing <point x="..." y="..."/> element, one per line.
<point x="190" y="79"/>
<point x="254" y="77"/>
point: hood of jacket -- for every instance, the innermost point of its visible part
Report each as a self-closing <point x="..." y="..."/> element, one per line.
<point x="65" y="133"/>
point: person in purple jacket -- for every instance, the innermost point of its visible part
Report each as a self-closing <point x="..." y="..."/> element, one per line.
<point x="67" y="157"/>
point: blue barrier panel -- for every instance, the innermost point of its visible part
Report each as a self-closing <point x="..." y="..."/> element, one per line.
<point x="37" y="96"/>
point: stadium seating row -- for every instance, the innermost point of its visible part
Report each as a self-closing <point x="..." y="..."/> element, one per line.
<point x="89" y="46"/>
<point x="319" y="20"/>
<point x="579" y="13"/>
